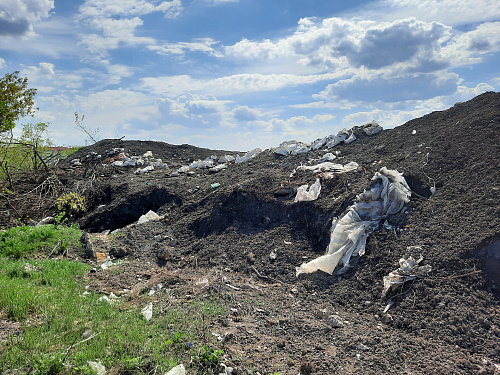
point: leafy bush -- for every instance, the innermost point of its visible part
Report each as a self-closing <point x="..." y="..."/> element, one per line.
<point x="71" y="203"/>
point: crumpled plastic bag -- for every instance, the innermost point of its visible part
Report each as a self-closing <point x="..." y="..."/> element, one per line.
<point x="386" y="195"/>
<point x="97" y="367"/>
<point x="372" y="128"/>
<point x="409" y="269"/>
<point x="177" y="370"/>
<point x="149" y="216"/>
<point x="304" y="194"/>
<point x="147" y="311"/>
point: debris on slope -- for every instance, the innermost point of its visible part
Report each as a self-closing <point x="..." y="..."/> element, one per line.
<point x="387" y="195"/>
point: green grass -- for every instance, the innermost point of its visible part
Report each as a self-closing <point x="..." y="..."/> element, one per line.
<point x="48" y="298"/>
<point x="24" y="241"/>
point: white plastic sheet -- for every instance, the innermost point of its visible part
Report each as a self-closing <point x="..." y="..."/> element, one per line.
<point x="387" y="195"/>
<point x="304" y="194"/>
<point x="248" y="156"/>
<point x="409" y="269"/>
<point x="329" y="166"/>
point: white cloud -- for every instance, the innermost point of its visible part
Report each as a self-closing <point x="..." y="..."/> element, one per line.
<point x="230" y="85"/>
<point x="244" y="113"/>
<point x="115" y="22"/>
<point x="17" y="16"/>
<point x="451" y="12"/>
<point x="124" y="8"/>
<point x="380" y="88"/>
<point x="2" y="63"/>
<point x="204" y="45"/>
<point x="336" y="43"/>
<point x="44" y="70"/>
<point x="469" y="47"/>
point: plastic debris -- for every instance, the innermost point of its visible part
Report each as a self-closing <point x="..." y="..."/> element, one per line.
<point x="106" y="264"/>
<point x="217" y="168"/>
<point x="148" y="154"/>
<point x="147" y="311"/>
<point x="177" y="370"/>
<point x="386" y="195"/>
<point x="149" y="168"/>
<point x="304" y="194"/>
<point x="226" y="159"/>
<point x="329" y="166"/>
<point x="97" y="367"/>
<point x="351" y="138"/>
<point x="149" y="216"/>
<point x="248" y="156"/>
<point x="372" y="128"/>
<point x="201" y="164"/>
<point x="327" y="157"/>
<point x="273" y="255"/>
<point x="362" y="347"/>
<point x="409" y="269"/>
<point x="215" y="185"/>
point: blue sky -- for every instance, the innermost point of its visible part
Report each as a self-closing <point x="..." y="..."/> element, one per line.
<point x="240" y="74"/>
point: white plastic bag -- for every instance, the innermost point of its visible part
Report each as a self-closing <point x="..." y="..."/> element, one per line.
<point x="149" y="216"/>
<point x="304" y="194"/>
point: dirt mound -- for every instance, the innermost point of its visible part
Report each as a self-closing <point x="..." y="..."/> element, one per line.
<point x="241" y="225"/>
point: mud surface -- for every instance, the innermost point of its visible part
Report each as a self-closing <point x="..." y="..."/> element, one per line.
<point x="219" y="240"/>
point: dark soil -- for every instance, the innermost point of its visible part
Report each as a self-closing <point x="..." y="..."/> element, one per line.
<point x="209" y="238"/>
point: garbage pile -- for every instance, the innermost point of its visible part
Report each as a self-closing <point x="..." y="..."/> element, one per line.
<point x="223" y="162"/>
<point x="385" y="196"/>
<point x="330" y="141"/>
<point x="117" y="157"/>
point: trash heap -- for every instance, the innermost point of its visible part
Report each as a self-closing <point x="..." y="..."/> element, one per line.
<point x="117" y="157"/>
<point x="385" y="196"/>
<point x="223" y="162"/>
<point x="330" y="141"/>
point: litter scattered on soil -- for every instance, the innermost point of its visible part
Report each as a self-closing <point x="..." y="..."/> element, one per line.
<point x="237" y="231"/>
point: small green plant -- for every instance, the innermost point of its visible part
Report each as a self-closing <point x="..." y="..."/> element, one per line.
<point x="70" y="203"/>
<point x="210" y="357"/>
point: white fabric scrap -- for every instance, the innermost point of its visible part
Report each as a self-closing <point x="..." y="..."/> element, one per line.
<point x="304" y="194"/>
<point x="409" y="269"/>
<point x="387" y="195"/>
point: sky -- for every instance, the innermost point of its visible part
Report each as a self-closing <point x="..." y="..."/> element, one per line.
<point x="241" y="74"/>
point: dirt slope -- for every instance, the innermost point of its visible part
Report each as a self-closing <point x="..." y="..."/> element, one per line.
<point x="447" y="323"/>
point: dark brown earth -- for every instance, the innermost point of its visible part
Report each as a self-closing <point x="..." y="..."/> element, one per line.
<point x="218" y="240"/>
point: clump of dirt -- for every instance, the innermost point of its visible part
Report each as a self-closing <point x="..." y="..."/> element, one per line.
<point x="245" y="237"/>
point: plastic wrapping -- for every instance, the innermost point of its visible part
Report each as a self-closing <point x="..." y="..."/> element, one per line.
<point x="386" y="195"/>
<point x="304" y="194"/>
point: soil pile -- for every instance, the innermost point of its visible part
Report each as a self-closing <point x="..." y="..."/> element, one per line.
<point x="239" y="233"/>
